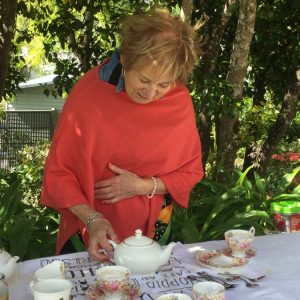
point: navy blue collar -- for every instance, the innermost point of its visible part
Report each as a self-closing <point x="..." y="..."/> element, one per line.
<point x="111" y="72"/>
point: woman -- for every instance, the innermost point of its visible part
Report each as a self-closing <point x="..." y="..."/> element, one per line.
<point x="127" y="145"/>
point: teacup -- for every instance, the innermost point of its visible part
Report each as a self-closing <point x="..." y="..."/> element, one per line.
<point x="174" y="296"/>
<point x="55" y="269"/>
<point x="239" y="241"/>
<point x="113" y="280"/>
<point x="208" y="290"/>
<point x="51" y="289"/>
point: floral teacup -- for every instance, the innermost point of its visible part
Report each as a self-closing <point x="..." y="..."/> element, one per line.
<point x="239" y="241"/>
<point x="208" y="290"/>
<point x="174" y="296"/>
<point x="113" y="280"/>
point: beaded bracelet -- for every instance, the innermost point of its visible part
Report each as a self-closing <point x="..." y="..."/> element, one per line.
<point x="92" y="218"/>
<point x="154" y="188"/>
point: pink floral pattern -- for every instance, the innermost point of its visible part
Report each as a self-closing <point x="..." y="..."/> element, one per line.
<point x="219" y="296"/>
<point x="239" y="241"/>
<point x="206" y="258"/>
<point x="95" y="292"/>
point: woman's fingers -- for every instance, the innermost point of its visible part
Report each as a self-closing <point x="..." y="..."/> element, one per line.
<point x="100" y="231"/>
<point x="103" y="183"/>
<point x="103" y="194"/>
<point x="97" y="255"/>
<point x="124" y="185"/>
<point x="116" y="169"/>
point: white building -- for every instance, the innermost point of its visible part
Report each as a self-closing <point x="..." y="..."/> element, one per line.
<point x="32" y="97"/>
<point x="31" y="118"/>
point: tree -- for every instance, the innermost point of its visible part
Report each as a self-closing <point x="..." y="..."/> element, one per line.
<point x="7" y="27"/>
<point x="275" y="57"/>
<point x="227" y="122"/>
<point x="242" y="40"/>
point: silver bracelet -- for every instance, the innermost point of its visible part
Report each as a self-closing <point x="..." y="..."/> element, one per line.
<point x="93" y="217"/>
<point x="150" y="196"/>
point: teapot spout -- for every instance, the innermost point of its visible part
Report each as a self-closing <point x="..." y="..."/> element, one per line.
<point x="166" y="252"/>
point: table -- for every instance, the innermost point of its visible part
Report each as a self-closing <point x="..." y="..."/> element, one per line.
<point x="278" y="256"/>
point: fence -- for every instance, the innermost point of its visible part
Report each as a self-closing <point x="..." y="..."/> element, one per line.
<point x="21" y="128"/>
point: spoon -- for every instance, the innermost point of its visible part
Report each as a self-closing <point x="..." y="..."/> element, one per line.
<point x="226" y="284"/>
<point x="249" y="283"/>
<point x="243" y="278"/>
<point x="246" y="277"/>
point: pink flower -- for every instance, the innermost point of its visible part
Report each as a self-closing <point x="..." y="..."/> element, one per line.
<point x="278" y="157"/>
<point x="294" y="157"/>
<point x="114" y="286"/>
<point x="287" y="156"/>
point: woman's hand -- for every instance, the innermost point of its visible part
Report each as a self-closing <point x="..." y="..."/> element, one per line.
<point x="124" y="185"/>
<point x="100" y="230"/>
<point x="99" y="233"/>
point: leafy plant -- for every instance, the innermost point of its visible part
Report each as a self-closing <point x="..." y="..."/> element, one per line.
<point x="26" y="229"/>
<point x="237" y="203"/>
<point x="31" y="160"/>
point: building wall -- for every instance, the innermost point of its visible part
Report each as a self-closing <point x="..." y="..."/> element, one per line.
<point x="33" y="98"/>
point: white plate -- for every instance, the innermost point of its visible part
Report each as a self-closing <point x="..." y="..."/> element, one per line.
<point x="221" y="259"/>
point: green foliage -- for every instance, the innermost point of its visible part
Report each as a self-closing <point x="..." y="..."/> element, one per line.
<point x="29" y="170"/>
<point x="76" y="35"/>
<point x="276" y="32"/>
<point x="237" y="203"/>
<point x="26" y="229"/>
<point x="278" y="170"/>
<point x="293" y="135"/>
<point x="255" y="121"/>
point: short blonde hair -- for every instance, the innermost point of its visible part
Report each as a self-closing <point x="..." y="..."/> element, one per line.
<point x="158" y="38"/>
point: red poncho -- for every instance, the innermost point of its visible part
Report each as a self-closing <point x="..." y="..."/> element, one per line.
<point x="98" y="126"/>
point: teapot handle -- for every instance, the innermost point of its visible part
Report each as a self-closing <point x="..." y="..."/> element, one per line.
<point x="110" y="253"/>
<point x="252" y="230"/>
<point x="114" y="244"/>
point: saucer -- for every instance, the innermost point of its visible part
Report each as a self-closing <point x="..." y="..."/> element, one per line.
<point x="249" y="253"/>
<point x="94" y="292"/>
<point x="220" y="259"/>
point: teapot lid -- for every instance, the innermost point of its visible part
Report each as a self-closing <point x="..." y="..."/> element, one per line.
<point x="138" y="239"/>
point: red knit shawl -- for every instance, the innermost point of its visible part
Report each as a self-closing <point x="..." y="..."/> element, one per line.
<point x="98" y="126"/>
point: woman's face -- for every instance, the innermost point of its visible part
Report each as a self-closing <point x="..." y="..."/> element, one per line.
<point x="144" y="85"/>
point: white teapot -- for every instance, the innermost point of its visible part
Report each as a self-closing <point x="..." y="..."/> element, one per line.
<point x="141" y="254"/>
<point x="8" y="264"/>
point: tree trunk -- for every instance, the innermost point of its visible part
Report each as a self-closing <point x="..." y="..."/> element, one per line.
<point x="186" y="11"/>
<point x="84" y="40"/>
<point x="209" y="60"/>
<point x="204" y="131"/>
<point x="212" y="50"/>
<point x="237" y="70"/>
<point x="285" y="117"/>
<point x="7" y="26"/>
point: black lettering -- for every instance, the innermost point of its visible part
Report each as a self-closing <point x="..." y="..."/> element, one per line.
<point x="183" y="280"/>
<point x="174" y="282"/>
<point x="165" y="283"/>
<point x="150" y="285"/>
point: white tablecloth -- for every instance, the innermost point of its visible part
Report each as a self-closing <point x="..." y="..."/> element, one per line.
<point x="278" y="256"/>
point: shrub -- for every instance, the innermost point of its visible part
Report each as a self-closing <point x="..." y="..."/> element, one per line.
<point x="26" y="229"/>
<point x="237" y="203"/>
